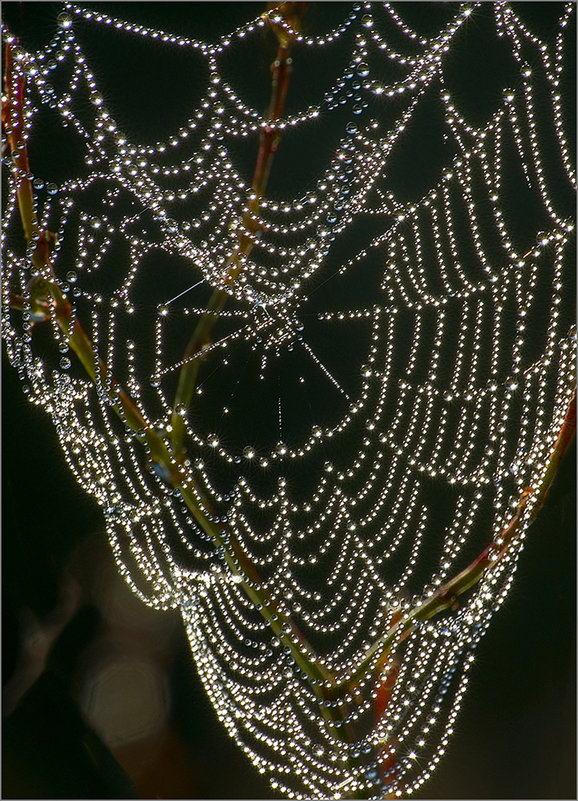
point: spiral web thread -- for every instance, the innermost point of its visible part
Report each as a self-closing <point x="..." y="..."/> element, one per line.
<point x="367" y="416"/>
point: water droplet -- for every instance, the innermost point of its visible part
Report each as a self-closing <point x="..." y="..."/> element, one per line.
<point x="249" y="452"/>
<point x="63" y="347"/>
<point x="367" y="21"/>
<point x="351" y="128"/>
<point x="357" y="108"/>
<point x="64" y="20"/>
<point x="363" y="69"/>
<point x="30" y="68"/>
<point x="65" y="363"/>
<point x="52" y="189"/>
<point x="161" y="429"/>
<point x="95" y="223"/>
<point x="38" y="183"/>
<point x="71" y="276"/>
<point x="163" y="310"/>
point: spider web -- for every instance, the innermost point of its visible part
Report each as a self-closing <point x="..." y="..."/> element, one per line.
<point x="390" y="371"/>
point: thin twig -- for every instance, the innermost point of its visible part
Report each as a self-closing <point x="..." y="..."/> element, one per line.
<point x="47" y="298"/>
<point x="268" y="142"/>
<point x="446" y="596"/>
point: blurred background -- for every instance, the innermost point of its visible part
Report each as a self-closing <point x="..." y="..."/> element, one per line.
<point x="100" y="695"/>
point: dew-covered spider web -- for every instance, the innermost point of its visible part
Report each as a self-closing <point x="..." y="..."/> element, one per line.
<point x="390" y="369"/>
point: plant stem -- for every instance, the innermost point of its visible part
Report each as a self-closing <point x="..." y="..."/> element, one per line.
<point x="47" y="298"/>
<point x="563" y="442"/>
<point x="249" y="226"/>
<point x="13" y="126"/>
<point x="446" y="595"/>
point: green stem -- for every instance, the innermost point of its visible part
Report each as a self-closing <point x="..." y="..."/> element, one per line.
<point x="446" y="596"/>
<point x="47" y="300"/>
<point x="565" y="437"/>
<point x="235" y="558"/>
<point x="248" y="228"/>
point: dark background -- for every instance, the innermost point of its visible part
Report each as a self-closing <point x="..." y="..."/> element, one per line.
<point x="515" y="736"/>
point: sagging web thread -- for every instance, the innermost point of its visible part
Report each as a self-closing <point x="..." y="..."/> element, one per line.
<point x="365" y="416"/>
